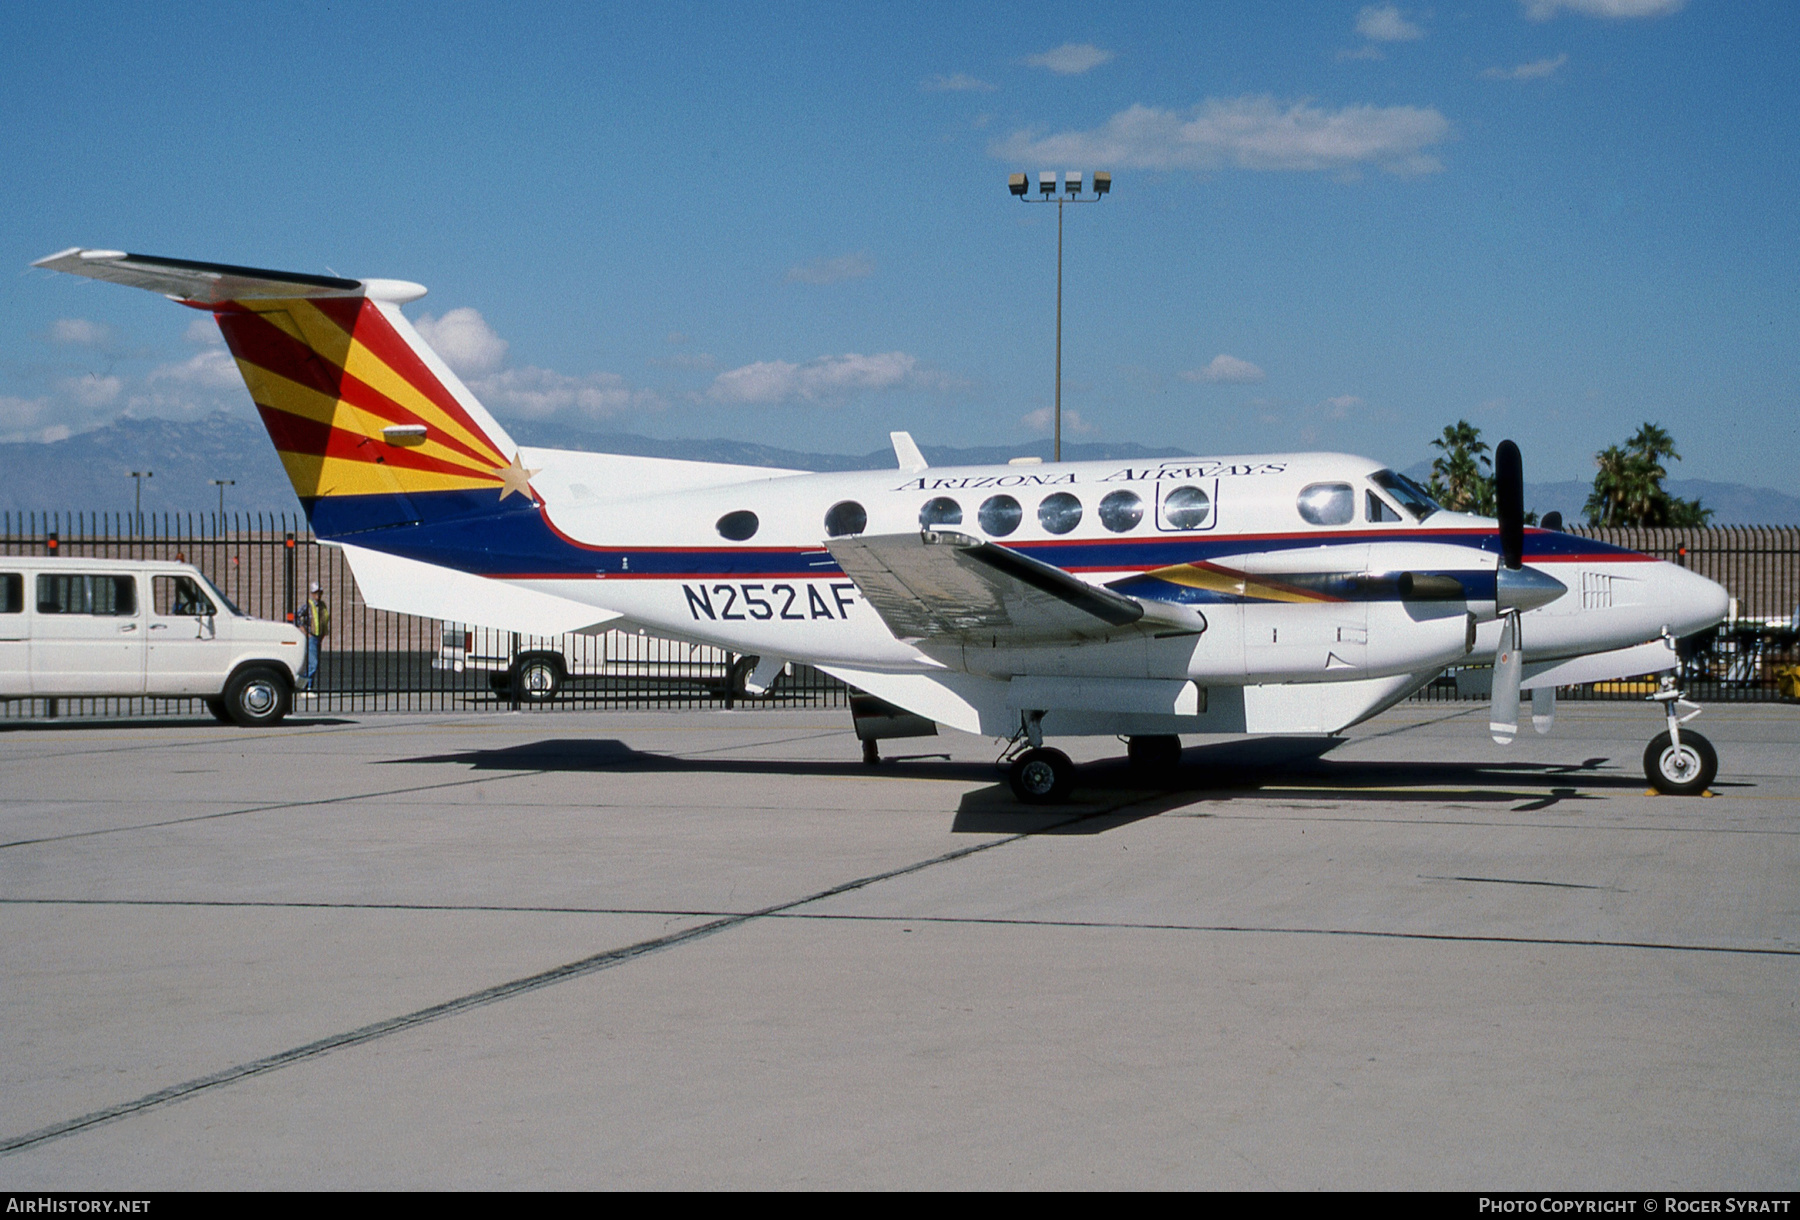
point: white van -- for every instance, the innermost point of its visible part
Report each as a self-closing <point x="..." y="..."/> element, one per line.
<point x="81" y="628"/>
<point x="543" y="665"/>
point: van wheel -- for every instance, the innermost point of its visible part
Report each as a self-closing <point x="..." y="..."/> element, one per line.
<point x="539" y="679"/>
<point x="219" y="711"/>
<point x="256" y="696"/>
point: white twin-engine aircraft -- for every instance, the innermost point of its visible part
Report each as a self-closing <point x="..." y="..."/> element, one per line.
<point x="1276" y="593"/>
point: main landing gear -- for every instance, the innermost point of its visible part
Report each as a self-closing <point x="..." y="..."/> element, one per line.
<point x="1038" y="776"/>
<point x="1679" y="762"/>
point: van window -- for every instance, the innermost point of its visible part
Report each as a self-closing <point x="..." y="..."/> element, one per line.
<point x="12" y="593"/>
<point x="179" y="595"/>
<point x="68" y="593"/>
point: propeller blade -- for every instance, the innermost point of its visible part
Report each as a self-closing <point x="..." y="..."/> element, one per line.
<point x="1503" y="719"/>
<point x="1509" y="499"/>
<point x="1543" y="708"/>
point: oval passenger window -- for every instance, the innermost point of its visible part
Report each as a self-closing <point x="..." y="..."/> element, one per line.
<point x="1327" y="503"/>
<point x="941" y="511"/>
<point x="738" y="526"/>
<point x="1000" y="515"/>
<point x="845" y="517"/>
<point x="1059" y="513"/>
<point x="1186" y="508"/>
<point x="1121" y="511"/>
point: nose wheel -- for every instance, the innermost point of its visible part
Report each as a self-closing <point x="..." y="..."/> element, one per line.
<point x="1678" y="761"/>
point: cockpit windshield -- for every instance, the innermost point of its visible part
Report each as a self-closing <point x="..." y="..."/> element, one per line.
<point x="1413" y="498"/>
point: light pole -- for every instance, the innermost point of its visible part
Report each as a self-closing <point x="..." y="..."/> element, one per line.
<point x="1020" y="185"/>
<point x="222" y="484"/>
<point x="137" y="506"/>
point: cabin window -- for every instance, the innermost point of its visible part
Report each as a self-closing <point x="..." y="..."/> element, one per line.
<point x="1327" y="503"/>
<point x="1121" y="511"/>
<point x="1060" y="513"/>
<point x="12" y="593"/>
<point x="1377" y="509"/>
<point x="941" y="510"/>
<point x="1186" y="508"/>
<point x="845" y="517"/>
<point x="67" y="593"/>
<point x="1000" y="516"/>
<point x="738" y="526"/>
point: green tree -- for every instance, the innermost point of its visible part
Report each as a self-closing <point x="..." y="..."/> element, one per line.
<point x="1628" y="486"/>
<point x="1462" y="479"/>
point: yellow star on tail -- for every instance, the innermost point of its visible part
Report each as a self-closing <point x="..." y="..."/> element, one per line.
<point x="515" y="478"/>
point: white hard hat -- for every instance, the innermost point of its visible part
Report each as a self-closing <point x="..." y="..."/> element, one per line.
<point x="315" y="587"/>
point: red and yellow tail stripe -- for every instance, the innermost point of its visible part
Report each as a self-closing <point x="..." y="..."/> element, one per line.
<point x="328" y="375"/>
<point x="1215" y="579"/>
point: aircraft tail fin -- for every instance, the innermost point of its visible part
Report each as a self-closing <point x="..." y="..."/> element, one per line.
<point x="372" y="426"/>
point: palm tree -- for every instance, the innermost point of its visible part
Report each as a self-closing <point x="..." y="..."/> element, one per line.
<point x="1463" y="479"/>
<point x="1628" y="487"/>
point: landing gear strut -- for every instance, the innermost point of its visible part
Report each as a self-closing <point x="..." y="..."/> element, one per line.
<point x="1679" y="762"/>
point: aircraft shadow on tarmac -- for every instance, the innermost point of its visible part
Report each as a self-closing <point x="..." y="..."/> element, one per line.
<point x="1109" y="792"/>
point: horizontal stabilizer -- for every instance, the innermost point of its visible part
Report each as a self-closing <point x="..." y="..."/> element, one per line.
<point x="215" y="283"/>
<point x="406" y="586"/>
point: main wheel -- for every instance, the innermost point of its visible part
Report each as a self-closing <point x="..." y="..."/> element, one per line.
<point x="256" y="696"/>
<point x="1680" y="772"/>
<point x="1042" y="777"/>
<point x="539" y="679"/>
<point x="1155" y="753"/>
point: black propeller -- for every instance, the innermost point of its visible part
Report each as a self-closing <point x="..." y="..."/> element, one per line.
<point x="1509" y="499"/>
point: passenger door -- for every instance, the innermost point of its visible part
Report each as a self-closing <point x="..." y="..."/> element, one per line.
<point x="87" y="635"/>
<point x="184" y="656"/>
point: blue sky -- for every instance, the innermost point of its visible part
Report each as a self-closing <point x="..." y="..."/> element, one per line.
<point x="1332" y="225"/>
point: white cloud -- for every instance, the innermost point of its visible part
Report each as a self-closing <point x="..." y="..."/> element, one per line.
<point x="1249" y="133"/>
<point x="1543" y="10"/>
<point x="79" y="332"/>
<point x="203" y="332"/>
<point x="26" y="419"/>
<point x="1532" y="71"/>
<point x="857" y="266"/>
<point x="1341" y="406"/>
<point x="92" y="391"/>
<point x="1383" y="23"/>
<point x="465" y="341"/>
<point x="1227" y="369"/>
<point x="212" y="369"/>
<point x="1044" y="420"/>
<point x="1072" y="58"/>
<point x="829" y="379"/>
<point x="958" y="82"/>
<point x="536" y="393"/>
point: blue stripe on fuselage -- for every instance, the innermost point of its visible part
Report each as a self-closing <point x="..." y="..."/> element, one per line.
<point x="470" y="532"/>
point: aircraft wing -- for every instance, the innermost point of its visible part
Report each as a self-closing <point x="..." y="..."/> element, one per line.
<point x="940" y="585"/>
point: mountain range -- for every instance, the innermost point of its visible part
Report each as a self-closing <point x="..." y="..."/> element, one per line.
<point x="88" y="472"/>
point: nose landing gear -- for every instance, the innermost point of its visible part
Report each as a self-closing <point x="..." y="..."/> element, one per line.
<point x="1679" y="762"/>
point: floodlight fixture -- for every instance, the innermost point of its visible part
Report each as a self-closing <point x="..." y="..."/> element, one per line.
<point x="1018" y="184"/>
<point x="1047" y="182"/>
<point x="1072" y="182"/>
<point x="1102" y="182"/>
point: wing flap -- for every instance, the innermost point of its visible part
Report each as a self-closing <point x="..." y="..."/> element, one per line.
<point x="939" y="585"/>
